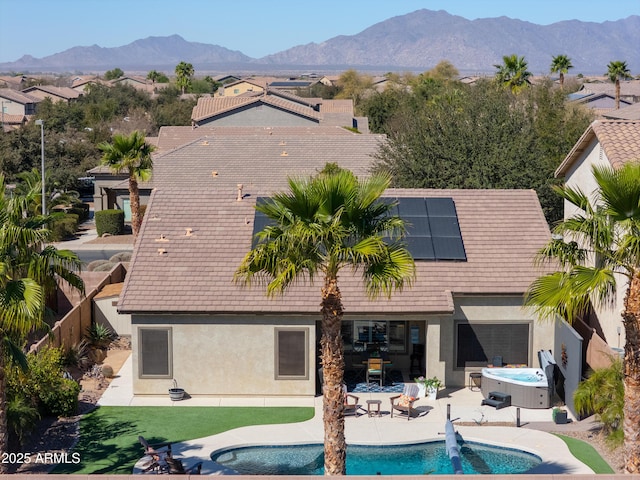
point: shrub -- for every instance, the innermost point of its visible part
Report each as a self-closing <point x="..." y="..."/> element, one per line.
<point x="64" y="227"/>
<point x="95" y="264"/>
<point x="99" y="335"/>
<point x="121" y="257"/>
<point x="61" y="400"/>
<point x="22" y="418"/>
<point x="80" y="209"/>
<point x="104" y="267"/>
<point x="109" y="221"/>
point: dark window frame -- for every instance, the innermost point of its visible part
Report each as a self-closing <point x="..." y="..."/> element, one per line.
<point x="500" y="325"/>
<point x="169" y="353"/>
<point x="304" y="375"/>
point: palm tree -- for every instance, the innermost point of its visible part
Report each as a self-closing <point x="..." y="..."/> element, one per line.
<point x="602" y="240"/>
<point x="28" y="273"/>
<point x="153" y="75"/>
<point x="321" y="225"/>
<point x="617" y="70"/>
<point x="184" y="71"/>
<point x="513" y="73"/>
<point x="561" y="64"/>
<point x="131" y="154"/>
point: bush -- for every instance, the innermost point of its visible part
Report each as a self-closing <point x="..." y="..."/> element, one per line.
<point x="109" y="221"/>
<point x="95" y="264"/>
<point x="104" y="267"/>
<point x="100" y="335"/>
<point x="43" y="384"/>
<point x="120" y="257"/>
<point x="64" y="227"/>
<point x="80" y="209"/>
<point x="22" y="418"/>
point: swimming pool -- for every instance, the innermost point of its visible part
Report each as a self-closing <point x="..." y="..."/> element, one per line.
<point x="413" y="459"/>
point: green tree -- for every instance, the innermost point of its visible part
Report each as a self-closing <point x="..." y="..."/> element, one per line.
<point x="131" y="154"/>
<point x="29" y="272"/>
<point x="603" y="394"/>
<point x="113" y="74"/>
<point x="617" y="70"/>
<point x="444" y="70"/>
<point x="321" y="225"/>
<point x="561" y="64"/>
<point x="354" y="86"/>
<point x="601" y="240"/>
<point x="153" y="75"/>
<point x="513" y="73"/>
<point x="184" y="72"/>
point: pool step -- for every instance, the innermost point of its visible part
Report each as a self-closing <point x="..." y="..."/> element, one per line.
<point x="498" y="400"/>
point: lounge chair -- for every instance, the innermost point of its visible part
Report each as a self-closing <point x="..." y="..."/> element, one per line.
<point x="403" y="403"/>
<point x="177" y="468"/>
<point x="156" y="448"/>
<point x="350" y="402"/>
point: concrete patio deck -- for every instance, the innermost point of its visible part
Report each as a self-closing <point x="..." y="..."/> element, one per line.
<point x="471" y="420"/>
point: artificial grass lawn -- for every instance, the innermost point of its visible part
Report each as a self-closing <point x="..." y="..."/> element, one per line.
<point x="109" y="435"/>
<point x="586" y="454"/>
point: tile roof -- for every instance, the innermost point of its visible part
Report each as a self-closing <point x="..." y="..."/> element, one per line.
<point x="210" y="107"/>
<point x="620" y="140"/>
<point x="18" y="97"/>
<point x="170" y="137"/>
<point x="62" y="92"/>
<point x="192" y="241"/>
<point x="632" y="112"/>
<point x="628" y="87"/>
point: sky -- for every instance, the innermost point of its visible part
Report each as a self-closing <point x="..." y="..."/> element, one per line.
<point x="256" y="28"/>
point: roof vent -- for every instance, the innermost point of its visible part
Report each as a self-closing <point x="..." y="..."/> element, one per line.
<point x="162" y="238"/>
<point x="155" y="217"/>
<point x="188" y="232"/>
<point x="239" y="197"/>
<point x="162" y="251"/>
<point x="284" y="154"/>
<point x="282" y="143"/>
<point x="206" y="142"/>
<point x="214" y="173"/>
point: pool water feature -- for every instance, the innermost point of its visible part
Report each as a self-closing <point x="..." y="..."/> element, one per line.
<point x="413" y="459"/>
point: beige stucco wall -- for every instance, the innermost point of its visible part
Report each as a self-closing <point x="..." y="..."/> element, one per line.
<point x="441" y="343"/>
<point x="238" y="89"/>
<point x="581" y="176"/>
<point x="106" y="313"/>
<point x="225" y="356"/>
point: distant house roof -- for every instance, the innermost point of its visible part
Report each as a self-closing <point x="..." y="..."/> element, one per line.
<point x="18" y="97"/>
<point x="627" y="88"/>
<point x="191" y="244"/>
<point x="620" y="140"/>
<point x="44" y="91"/>
<point x="632" y="112"/>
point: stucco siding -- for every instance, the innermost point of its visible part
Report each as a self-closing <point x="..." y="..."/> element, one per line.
<point x="225" y="356"/>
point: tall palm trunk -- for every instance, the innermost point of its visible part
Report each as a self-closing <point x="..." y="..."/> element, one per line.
<point x="4" y="429"/>
<point x="631" y="321"/>
<point x="134" y="198"/>
<point x="561" y="81"/>
<point x="335" y="447"/>
<point x="617" y="93"/>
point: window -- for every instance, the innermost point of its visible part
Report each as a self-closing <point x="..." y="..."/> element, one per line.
<point x="155" y="353"/>
<point x="370" y="335"/>
<point x="479" y="342"/>
<point x="292" y="353"/>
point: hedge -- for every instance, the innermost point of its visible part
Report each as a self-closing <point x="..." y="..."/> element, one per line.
<point x="64" y="227"/>
<point x="110" y="221"/>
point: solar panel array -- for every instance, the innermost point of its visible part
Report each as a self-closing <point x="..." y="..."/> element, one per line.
<point x="433" y="231"/>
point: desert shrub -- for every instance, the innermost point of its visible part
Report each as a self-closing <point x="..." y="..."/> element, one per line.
<point x="109" y="221"/>
<point x="80" y="209"/>
<point x="96" y="263"/>
<point x="78" y="355"/>
<point x="121" y="257"/>
<point x="43" y="383"/>
<point x="100" y="335"/>
<point x="22" y="418"/>
<point x="64" y="227"/>
<point x="104" y="267"/>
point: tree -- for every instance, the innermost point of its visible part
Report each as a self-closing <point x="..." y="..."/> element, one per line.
<point x="153" y="75"/>
<point x="602" y="240"/>
<point x="113" y="74"/>
<point x="321" y="225"/>
<point x="617" y="70"/>
<point x="131" y="154"/>
<point x="28" y="274"/>
<point x="184" y="72"/>
<point x="561" y="64"/>
<point x="513" y="73"/>
<point x="444" y="70"/>
<point x="354" y="86"/>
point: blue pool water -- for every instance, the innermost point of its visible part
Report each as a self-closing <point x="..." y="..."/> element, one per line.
<point x="414" y="459"/>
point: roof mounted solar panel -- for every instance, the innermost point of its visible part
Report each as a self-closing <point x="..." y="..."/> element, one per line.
<point x="260" y="220"/>
<point x="441" y="207"/>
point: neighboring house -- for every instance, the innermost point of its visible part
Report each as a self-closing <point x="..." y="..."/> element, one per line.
<point x="604" y="143"/>
<point x="239" y="87"/>
<point x="138" y="82"/>
<point x="81" y="84"/>
<point x="273" y="108"/>
<point x="629" y="89"/>
<point x="192" y="323"/>
<point x="16" y="82"/>
<point x="600" y="103"/>
<point x="55" y="94"/>
<point x="105" y="313"/>
<point x="12" y="122"/>
<point x="17" y="103"/>
<point x="632" y="112"/>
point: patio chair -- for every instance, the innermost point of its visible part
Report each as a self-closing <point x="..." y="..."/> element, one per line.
<point x="403" y="403"/>
<point x="156" y="448"/>
<point x="350" y="402"/>
<point x="375" y="369"/>
<point x="177" y="468"/>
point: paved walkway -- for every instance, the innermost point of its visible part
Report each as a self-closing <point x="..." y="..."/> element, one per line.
<point x="471" y="420"/>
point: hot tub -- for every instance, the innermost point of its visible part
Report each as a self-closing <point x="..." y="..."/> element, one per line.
<point x="528" y="387"/>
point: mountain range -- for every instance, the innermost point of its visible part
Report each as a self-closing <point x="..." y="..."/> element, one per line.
<point x="416" y="41"/>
